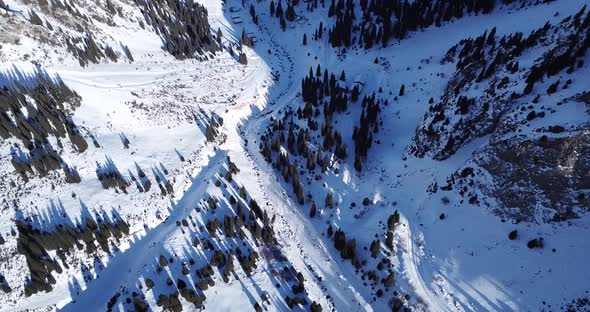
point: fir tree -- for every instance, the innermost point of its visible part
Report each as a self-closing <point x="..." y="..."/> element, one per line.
<point x="283" y="24"/>
<point x="219" y="36"/>
<point x="243" y="59"/>
<point x="312" y="211"/>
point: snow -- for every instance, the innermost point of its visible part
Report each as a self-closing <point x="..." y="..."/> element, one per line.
<point x="462" y="263"/>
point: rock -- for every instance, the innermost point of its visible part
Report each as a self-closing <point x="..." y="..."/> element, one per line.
<point x="512" y="235"/>
<point x="535" y="243"/>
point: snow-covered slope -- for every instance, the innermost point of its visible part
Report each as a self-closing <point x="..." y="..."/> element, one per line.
<point x="157" y="158"/>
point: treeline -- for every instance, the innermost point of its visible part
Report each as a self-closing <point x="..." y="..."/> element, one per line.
<point x="63" y="7"/>
<point x="304" y="141"/>
<point x="227" y="242"/>
<point x="309" y="132"/>
<point x="34" y="244"/>
<point x="47" y="103"/>
<point x="283" y="14"/>
<point x="569" y="54"/>
<point x="494" y="61"/>
<point x="383" y="20"/>
<point x="87" y="50"/>
<point x="182" y="25"/>
<point x="212" y="129"/>
<point x="83" y="47"/>
<point x="39" y="161"/>
<point x="381" y="279"/>
<point x="315" y="89"/>
<point x="363" y="133"/>
<point x="486" y="54"/>
<point x="110" y="177"/>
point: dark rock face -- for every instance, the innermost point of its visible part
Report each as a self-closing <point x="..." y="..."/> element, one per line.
<point x="554" y="173"/>
<point x="532" y="163"/>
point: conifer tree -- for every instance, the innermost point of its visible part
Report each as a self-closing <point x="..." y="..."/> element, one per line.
<point x="219" y="35"/>
<point x="329" y="200"/>
<point x="279" y="10"/>
<point x="243" y="59"/>
<point x="283" y="24"/>
<point x="34" y="18"/>
<point x="312" y="211"/>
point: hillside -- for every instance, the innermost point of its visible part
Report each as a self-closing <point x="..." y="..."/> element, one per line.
<point x="301" y="155"/>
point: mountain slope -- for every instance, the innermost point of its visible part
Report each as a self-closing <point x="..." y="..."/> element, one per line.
<point x="175" y="155"/>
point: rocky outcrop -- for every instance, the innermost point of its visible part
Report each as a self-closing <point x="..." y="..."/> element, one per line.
<point x="553" y="173"/>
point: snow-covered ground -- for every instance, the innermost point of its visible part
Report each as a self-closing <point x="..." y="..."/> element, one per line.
<point x="464" y="262"/>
